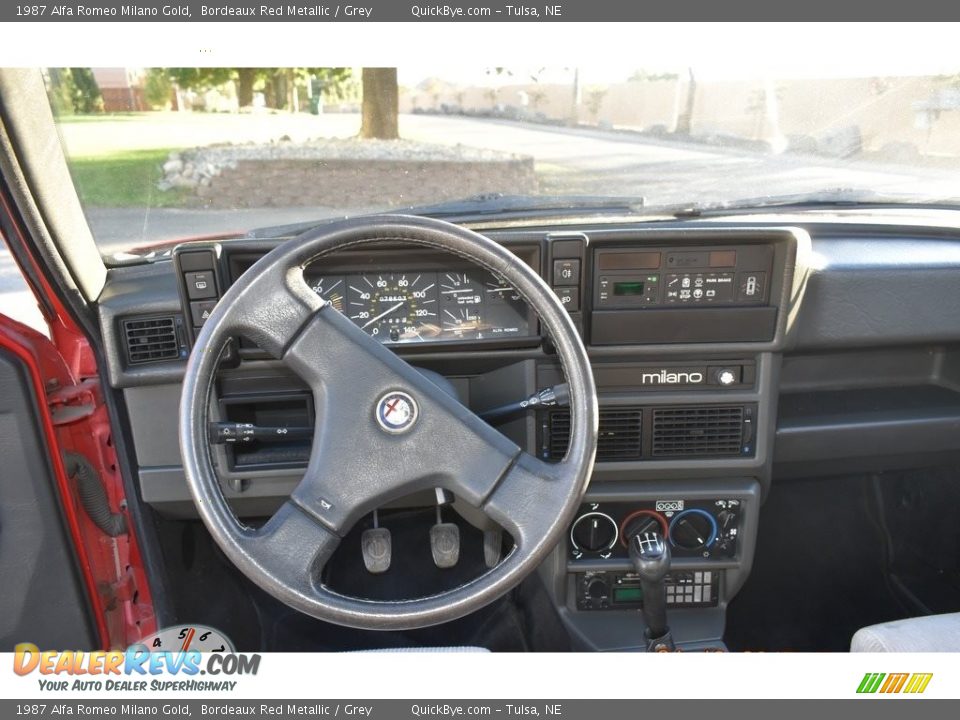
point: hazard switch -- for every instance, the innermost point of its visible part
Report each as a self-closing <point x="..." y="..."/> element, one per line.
<point x="201" y="310"/>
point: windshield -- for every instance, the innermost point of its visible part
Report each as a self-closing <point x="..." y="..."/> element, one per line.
<point x="161" y="154"/>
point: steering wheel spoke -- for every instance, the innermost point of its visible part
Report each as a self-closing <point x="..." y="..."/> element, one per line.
<point x="383" y="429"/>
<point x="291" y="544"/>
<point x="528" y="499"/>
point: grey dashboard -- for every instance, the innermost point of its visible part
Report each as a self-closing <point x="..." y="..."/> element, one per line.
<point x="848" y="358"/>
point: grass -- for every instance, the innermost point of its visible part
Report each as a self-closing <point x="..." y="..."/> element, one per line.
<point x="100" y="117"/>
<point x="125" y="178"/>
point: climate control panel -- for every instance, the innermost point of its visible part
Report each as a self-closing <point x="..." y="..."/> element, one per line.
<point x="701" y="529"/>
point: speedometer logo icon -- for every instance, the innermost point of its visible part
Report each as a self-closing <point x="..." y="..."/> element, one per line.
<point x="396" y="412"/>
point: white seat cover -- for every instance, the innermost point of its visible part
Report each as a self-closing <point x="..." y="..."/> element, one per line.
<point x="933" y="633"/>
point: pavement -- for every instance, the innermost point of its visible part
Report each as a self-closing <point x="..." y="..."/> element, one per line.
<point x="567" y="161"/>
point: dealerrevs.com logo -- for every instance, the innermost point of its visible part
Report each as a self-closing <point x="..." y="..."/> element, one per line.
<point x="891" y="683"/>
<point x="135" y="669"/>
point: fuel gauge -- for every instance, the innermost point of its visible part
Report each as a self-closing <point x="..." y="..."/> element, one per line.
<point x="460" y="288"/>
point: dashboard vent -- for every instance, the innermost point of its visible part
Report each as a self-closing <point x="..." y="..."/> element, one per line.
<point x="697" y="431"/>
<point x="151" y="339"/>
<point x="619" y="434"/>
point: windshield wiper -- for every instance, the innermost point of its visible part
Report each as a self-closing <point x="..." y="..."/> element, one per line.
<point x="828" y="198"/>
<point x="499" y="203"/>
<point x="484" y="206"/>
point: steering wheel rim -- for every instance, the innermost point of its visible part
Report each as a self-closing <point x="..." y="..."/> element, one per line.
<point x="272" y="305"/>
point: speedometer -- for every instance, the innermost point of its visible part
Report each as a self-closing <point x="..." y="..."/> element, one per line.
<point x="394" y="307"/>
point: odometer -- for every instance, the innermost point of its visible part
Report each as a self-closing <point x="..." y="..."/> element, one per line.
<point x="394" y="307"/>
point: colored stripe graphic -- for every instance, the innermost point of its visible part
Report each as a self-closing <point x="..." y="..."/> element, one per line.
<point x="870" y="682"/>
<point x="913" y="683"/>
<point x="918" y="682"/>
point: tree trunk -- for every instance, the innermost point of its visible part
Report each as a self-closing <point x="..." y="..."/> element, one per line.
<point x="245" y="78"/>
<point x="381" y="104"/>
<point x="685" y="121"/>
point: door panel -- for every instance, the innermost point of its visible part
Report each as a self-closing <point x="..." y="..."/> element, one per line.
<point x="44" y="601"/>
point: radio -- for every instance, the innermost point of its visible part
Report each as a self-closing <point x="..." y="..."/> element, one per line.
<point x="622" y="591"/>
<point x="734" y="275"/>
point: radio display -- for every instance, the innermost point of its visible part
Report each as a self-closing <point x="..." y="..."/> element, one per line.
<point x="628" y="260"/>
<point x="627" y="594"/>
<point x="628" y="287"/>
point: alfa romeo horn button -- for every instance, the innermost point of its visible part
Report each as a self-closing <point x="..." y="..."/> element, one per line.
<point x="396" y="412"/>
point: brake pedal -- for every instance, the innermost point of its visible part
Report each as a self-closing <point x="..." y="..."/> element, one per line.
<point x="445" y="543"/>
<point x="377" y="546"/>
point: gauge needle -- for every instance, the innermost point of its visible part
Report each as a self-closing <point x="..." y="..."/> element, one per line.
<point x="383" y="314"/>
<point x="187" y="640"/>
<point x="455" y="292"/>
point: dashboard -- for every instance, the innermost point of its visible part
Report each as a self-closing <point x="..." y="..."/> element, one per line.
<point x="724" y="354"/>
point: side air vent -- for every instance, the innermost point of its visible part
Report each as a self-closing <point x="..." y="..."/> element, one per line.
<point x="698" y="431"/>
<point x="619" y="434"/>
<point x="151" y="339"/>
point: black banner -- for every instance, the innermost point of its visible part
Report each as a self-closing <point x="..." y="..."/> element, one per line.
<point x="435" y="709"/>
<point x="471" y="11"/>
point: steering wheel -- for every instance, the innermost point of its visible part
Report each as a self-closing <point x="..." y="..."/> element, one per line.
<point x="383" y="430"/>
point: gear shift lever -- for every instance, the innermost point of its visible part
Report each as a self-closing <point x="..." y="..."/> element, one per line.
<point x="651" y="559"/>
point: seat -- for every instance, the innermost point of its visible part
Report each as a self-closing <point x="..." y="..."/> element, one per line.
<point x="933" y="633"/>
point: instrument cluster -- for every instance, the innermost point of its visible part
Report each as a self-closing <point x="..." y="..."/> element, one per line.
<point x="426" y="306"/>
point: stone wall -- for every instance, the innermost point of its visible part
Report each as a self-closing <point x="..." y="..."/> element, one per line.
<point x="361" y="183"/>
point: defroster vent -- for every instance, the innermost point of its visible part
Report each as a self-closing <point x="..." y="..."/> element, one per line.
<point x="151" y="339"/>
<point x="619" y="434"/>
<point x="701" y="431"/>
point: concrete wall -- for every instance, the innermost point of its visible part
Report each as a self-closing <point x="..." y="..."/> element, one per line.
<point x="883" y="111"/>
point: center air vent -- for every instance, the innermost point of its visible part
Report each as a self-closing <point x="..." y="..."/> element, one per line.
<point x="151" y="339"/>
<point x="619" y="434"/>
<point x="699" y="431"/>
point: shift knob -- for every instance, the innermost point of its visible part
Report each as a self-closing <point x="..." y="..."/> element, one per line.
<point x="650" y="554"/>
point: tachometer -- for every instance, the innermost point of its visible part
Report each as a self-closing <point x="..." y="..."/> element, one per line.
<point x="394" y="307"/>
<point x="462" y="322"/>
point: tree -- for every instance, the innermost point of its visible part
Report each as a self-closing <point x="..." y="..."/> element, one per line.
<point x="86" y="96"/>
<point x="73" y="90"/>
<point x="276" y="84"/>
<point x="685" y="121"/>
<point x="200" y="79"/>
<point x="158" y="89"/>
<point x="246" y="77"/>
<point x="60" y="91"/>
<point x="381" y="104"/>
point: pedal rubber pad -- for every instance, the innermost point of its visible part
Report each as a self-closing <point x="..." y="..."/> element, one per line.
<point x="377" y="547"/>
<point x="492" y="547"/>
<point x="445" y="544"/>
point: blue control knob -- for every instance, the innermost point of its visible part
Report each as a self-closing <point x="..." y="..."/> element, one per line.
<point x="693" y="529"/>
